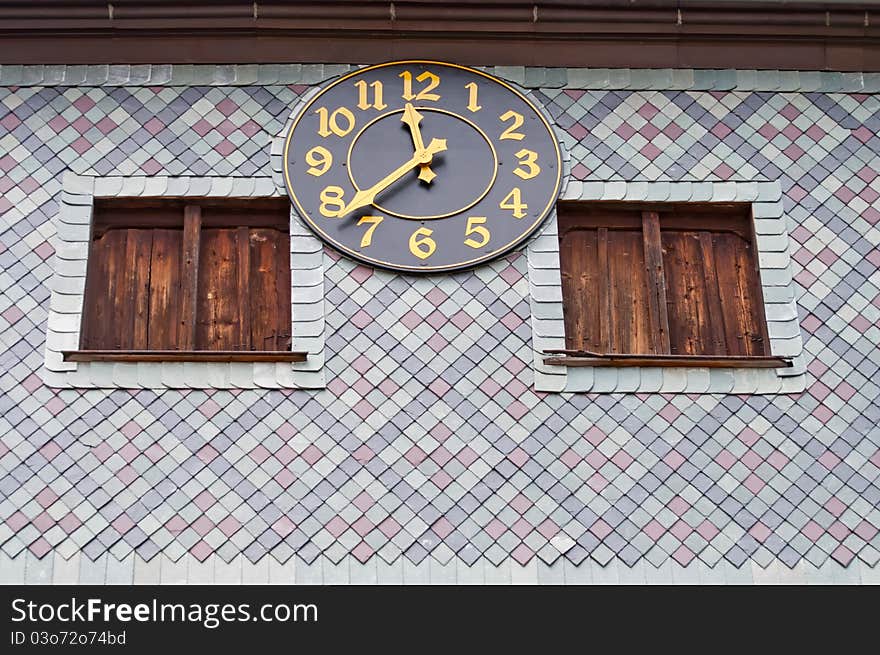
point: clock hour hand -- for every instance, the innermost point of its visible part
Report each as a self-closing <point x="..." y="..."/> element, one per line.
<point x="411" y="118"/>
<point x="365" y="197"/>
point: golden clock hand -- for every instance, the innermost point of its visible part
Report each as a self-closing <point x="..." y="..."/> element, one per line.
<point x="365" y="197"/>
<point x="411" y="118"/>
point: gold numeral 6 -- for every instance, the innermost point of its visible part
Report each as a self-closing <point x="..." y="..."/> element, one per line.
<point x="331" y="196"/>
<point x="320" y="159"/>
<point x="421" y="244"/>
<point x="475" y="226"/>
<point x="373" y="222"/>
<point x="329" y="123"/>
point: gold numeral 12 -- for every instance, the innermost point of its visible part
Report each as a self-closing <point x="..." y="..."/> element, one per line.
<point x="363" y="95"/>
<point x="425" y="94"/>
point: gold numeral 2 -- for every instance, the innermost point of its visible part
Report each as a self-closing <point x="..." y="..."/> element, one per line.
<point x="513" y="202"/>
<point x="320" y="159"/>
<point x="529" y="159"/>
<point x="511" y="132"/>
<point x="424" y="94"/>
<point x="475" y="226"/>
<point x="421" y="244"/>
<point x="329" y="123"/>
<point x="363" y="95"/>
<point x="472" y="96"/>
<point x="373" y="222"/>
<point x="331" y="196"/>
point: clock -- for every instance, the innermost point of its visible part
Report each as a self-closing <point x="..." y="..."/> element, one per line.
<point x="422" y="166"/>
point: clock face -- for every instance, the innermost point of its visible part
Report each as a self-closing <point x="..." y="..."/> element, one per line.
<point x="422" y="166"/>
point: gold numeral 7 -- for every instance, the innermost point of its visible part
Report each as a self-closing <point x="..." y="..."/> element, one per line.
<point x="373" y="222"/>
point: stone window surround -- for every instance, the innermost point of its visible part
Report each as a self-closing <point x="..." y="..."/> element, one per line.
<point x="73" y="225"/>
<point x="780" y="308"/>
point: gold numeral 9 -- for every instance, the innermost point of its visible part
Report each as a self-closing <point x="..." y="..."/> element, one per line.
<point x="425" y="94"/>
<point x="513" y="202"/>
<point x="475" y="226"/>
<point x="320" y="159"/>
<point x="529" y="159"/>
<point x="330" y="197"/>
<point x="329" y="123"/>
<point x="511" y="132"/>
<point x="363" y="95"/>
<point x="421" y="244"/>
<point x="373" y="222"/>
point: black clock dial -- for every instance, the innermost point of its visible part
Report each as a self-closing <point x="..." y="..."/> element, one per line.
<point x="422" y="166"/>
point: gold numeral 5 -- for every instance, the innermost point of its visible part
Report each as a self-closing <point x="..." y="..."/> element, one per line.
<point x="475" y="226"/>
<point x="329" y="123"/>
<point x="424" y="94"/>
<point x="330" y="197"/>
<point x="421" y="244"/>
<point x="363" y="95"/>
<point x="320" y="159"/>
<point x="513" y="202"/>
<point x="529" y="159"/>
<point x="373" y="222"/>
<point x="511" y="132"/>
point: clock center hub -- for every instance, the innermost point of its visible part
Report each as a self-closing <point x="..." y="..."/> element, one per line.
<point x="465" y="171"/>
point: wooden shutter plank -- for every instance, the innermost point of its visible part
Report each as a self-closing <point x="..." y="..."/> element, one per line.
<point x="631" y="330"/>
<point x="165" y="290"/>
<point x="103" y="278"/>
<point x="685" y="292"/>
<point x="715" y="324"/>
<point x="244" y="293"/>
<point x="132" y="299"/>
<point x="217" y="312"/>
<point x="743" y="315"/>
<point x="580" y="285"/>
<point x="189" y="276"/>
<point x="656" y="282"/>
<point x="606" y="342"/>
<point x="282" y="284"/>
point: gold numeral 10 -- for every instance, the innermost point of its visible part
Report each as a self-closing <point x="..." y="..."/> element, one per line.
<point x="472" y="96"/>
<point x="475" y="226"/>
<point x="329" y="123"/>
<point x="421" y="244"/>
<point x="513" y="202"/>
<point x="425" y="94"/>
<point x="373" y="222"/>
<point x="363" y="95"/>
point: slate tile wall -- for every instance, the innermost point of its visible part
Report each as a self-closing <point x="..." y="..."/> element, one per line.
<point x="429" y="442"/>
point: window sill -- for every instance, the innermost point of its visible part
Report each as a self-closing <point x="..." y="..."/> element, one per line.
<point x="183" y="356"/>
<point x="587" y="358"/>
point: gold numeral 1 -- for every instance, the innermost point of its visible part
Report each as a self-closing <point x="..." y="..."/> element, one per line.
<point x="513" y="202"/>
<point x="421" y="244"/>
<point x="475" y="226"/>
<point x="373" y="222"/>
<point x="529" y="159"/>
<point x="511" y="132"/>
<point x="329" y="123"/>
<point x="432" y="80"/>
<point x="472" y="96"/>
<point x="363" y="95"/>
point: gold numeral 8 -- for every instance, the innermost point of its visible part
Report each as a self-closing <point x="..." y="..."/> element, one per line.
<point x="331" y="197"/>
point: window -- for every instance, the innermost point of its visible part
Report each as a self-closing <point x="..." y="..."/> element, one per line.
<point x="204" y="279"/>
<point x="667" y="284"/>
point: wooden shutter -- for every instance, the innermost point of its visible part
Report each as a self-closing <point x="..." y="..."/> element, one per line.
<point x="660" y="280"/>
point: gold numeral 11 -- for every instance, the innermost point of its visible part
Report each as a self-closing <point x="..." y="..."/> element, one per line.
<point x="363" y="95"/>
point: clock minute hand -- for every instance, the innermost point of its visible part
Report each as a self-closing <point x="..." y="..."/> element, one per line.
<point x="365" y="197"/>
<point x="411" y="118"/>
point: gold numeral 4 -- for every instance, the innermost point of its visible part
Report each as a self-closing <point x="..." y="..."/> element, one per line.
<point x="421" y="244"/>
<point x="528" y="159"/>
<point x="329" y="122"/>
<point x="373" y="222"/>
<point x="513" y="202"/>
<point x="320" y="159"/>
<point x="475" y="226"/>
<point x="511" y="132"/>
<point x="363" y="95"/>
<point x="425" y="94"/>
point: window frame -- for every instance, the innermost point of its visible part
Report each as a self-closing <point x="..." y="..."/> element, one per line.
<point x="302" y="366"/>
<point x="557" y="369"/>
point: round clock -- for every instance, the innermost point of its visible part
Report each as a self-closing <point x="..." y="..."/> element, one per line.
<point x="422" y="166"/>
